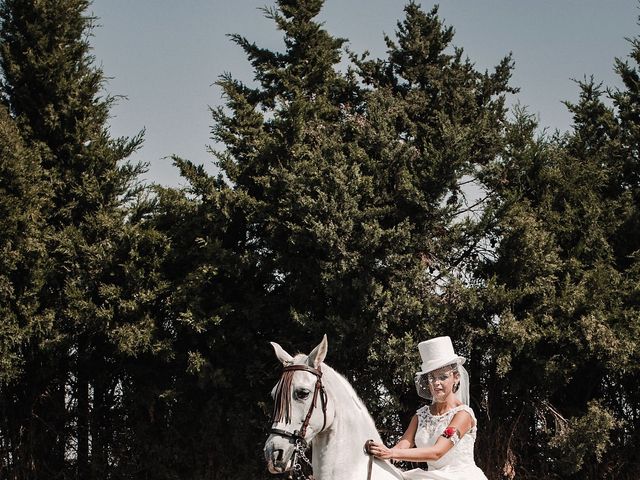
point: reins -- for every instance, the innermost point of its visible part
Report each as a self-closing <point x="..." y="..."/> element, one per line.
<point x="367" y="447"/>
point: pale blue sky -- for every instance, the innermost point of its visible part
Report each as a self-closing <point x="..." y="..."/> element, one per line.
<point x="164" y="56"/>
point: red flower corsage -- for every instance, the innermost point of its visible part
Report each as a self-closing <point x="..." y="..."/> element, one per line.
<point x="449" y="432"/>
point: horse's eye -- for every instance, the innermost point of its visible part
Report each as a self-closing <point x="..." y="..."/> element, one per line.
<point x="302" y="394"/>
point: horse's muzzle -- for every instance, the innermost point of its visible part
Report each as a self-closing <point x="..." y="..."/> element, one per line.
<point x="276" y="463"/>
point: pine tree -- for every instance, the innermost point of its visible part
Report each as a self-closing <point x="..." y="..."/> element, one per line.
<point x="560" y="293"/>
<point x="337" y="212"/>
<point x="97" y="281"/>
<point x="436" y="123"/>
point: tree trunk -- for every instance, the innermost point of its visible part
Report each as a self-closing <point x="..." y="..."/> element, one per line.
<point x="82" y="393"/>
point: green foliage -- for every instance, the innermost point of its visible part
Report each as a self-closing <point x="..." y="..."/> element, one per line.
<point x="23" y="255"/>
<point x="135" y="322"/>
<point x="585" y="439"/>
<point x="559" y="293"/>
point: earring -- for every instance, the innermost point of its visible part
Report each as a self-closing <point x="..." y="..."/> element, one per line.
<point x="456" y="387"/>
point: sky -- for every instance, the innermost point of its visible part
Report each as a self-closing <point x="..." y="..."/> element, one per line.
<point x="163" y="57"/>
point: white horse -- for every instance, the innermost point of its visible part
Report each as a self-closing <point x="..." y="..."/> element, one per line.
<point x="316" y="405"/>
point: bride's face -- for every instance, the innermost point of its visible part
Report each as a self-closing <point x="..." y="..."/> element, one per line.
<point x="442" y="382"/>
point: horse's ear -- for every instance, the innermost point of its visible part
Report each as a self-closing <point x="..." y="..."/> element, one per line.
<point x="317" y="355"/>
<point x="283" y="356"/>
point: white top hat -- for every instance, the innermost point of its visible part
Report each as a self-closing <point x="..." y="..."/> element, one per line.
<point x="436" y="353"/>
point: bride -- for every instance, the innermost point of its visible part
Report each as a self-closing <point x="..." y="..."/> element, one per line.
<point x="443" y="433"/>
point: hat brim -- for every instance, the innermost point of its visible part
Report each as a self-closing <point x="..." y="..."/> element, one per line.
<point x="431" y="366"/>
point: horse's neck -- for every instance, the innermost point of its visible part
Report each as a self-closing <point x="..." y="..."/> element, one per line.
<point x="338" y="452"/>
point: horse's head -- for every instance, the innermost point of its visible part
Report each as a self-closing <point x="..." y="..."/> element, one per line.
<point x="301" y="408"/>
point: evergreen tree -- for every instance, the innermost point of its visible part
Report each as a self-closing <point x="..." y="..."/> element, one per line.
<point x="560" y="293"/>
<point x="90" y="301"/>
<point x="437" y="122"/>
<point x="337" y="212"/>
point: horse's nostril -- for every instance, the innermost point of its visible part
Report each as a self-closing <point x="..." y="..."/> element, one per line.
<point x="278" y="454"/>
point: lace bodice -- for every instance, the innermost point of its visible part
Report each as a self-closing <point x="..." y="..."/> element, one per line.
<point x="430" y="427"/>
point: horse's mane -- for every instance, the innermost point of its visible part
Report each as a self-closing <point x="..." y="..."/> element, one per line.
<point x="348" y="392"/>
<point x="341" y="388"/>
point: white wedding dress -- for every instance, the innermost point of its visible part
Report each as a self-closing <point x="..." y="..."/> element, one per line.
<point x="457" y="463"/>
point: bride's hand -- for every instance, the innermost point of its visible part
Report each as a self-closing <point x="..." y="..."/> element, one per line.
<point x="379" y="450"/>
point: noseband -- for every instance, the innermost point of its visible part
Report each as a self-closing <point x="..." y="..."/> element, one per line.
<point x="319" y="391"/>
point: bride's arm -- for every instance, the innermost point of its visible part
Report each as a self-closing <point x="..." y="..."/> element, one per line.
<point x="408" y="439"/>
<point x="462" y="421"/>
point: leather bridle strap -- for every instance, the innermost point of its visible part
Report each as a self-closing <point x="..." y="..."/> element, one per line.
<point x="318" y="391"/>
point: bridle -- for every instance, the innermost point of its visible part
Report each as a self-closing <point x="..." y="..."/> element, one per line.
<point x="298" y="436"/>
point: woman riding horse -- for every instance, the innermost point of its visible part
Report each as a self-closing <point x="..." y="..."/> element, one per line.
<point x="443" y="433"/>
<point x="315" y="405"/>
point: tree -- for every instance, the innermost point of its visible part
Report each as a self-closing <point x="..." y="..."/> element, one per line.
<point x="89" y="303"/>
<point x="337" y="211"/>
<point x="441" y="123"/>
<point x="559" y="293"/>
